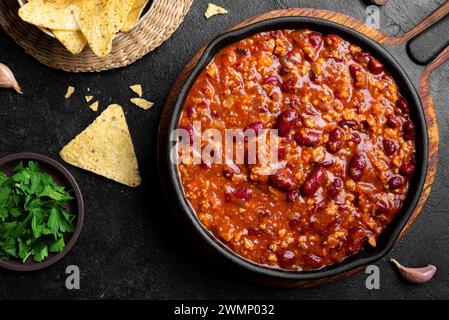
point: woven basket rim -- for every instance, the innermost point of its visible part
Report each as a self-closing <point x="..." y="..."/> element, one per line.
<point x="156" y="26"/>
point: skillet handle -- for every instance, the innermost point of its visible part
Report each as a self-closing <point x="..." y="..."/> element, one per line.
<point x="429" y="38"/>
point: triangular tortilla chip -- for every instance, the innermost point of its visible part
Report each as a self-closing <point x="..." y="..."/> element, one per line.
<point x="51" y="14"/>
<point x="134" y="15"/>
<point x="100" y="20"/>
<point x="105" y="148"/>
<point x="74" y="41"/>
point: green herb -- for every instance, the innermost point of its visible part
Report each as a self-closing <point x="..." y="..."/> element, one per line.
<point x="33" y="214"/>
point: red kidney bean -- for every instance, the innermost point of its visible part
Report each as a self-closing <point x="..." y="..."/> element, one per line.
<point x="292" y="195"/>
<point x="365" y="125"/>
<point x="288" y="86"/>
<point x="284" y="71"/>
<point x="314" y="78"/>
<point x="286" y="258"/>
<point x="407" y="169"/>
<point x="273" y="79"/>
<point x="375" y="66"/>
<point x="290" y="165"/>
<point x="381" y="206"/>
<point x="308" y="138"/>
<point x="321" y="223"/>
<point x="313" y="260"/>
<point x="276" y="34"/>
<point x="256" y="127"/>
<point x="243" y="193"/>
<point x="358" y="163"/>
<point x="241" y="51"/>
<point x="390" y="146"/>
<point x="285" y="122"/>
<point x="191" y="111"/>
<point x="314" y="181"/>
<point x="347" y="123"/>
<point x="253" y="233"/>
<point x="355" y="137"/>
<point x="294" y="222"/>
<point x="281" y="154"/>
<point x="336" y="188"/>
<point x="355" y="239"/>
<point x="230" y="170"/>
<point x="283" y="179"/>
<point x="205" y="164"/>
<point x="336" y="140"/>
<point x="402" y="105"/>
<point x="190" y="130"/>
<point x="409" y="130"/>
<point x="353" y="68"/>
<point x="363" y="57"/>
<point x="228" y="173"/>
<point x="326" y="163"/>
<point x="393" y="122"/>
<point x="315" y="39"/>
<point x="215" y="114"/>
<point x="396" y="182"/>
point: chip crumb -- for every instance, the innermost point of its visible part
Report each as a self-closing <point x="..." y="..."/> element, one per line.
<point x="213" y="10"/>
<point x="88" y="98"/>
<point x="70" y="91"/>
<point x="142" y="103"/>
<point x="94" y="106"/>
<point x="137" y="89"/>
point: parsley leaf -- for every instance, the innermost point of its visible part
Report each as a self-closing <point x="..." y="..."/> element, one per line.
<point x="33" y="214"/>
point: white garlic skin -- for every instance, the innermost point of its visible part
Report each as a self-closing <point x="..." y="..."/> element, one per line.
<point x="7" y="79"/>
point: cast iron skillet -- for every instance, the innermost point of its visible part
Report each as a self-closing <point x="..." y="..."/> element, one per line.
<point x="182" y="208"/>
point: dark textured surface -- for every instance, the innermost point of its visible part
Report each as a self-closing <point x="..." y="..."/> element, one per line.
<point x="125" y="249"/>
<point x="419" y="47"/>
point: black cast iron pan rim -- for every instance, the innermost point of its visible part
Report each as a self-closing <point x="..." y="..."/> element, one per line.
<point x="60" y="170"/>
<point x="391" y="233"/>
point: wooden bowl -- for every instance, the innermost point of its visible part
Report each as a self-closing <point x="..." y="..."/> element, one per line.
<point x="76" y="206"/>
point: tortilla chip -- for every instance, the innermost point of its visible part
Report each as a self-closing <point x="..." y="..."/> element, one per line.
<point x="94" y="106"/>
<point x="213" y="10"/>
<point x="142" y="103"/>
<point x="74" y="41"/>
<point x="51" y="14"/>
<point x="137" y="89"/>
<point x="134" y="15"/>
<point x="70" y="91"/>
<point x="100" y="20"/>
<point x="105" y="148"/>
<point x="88" y="98"/>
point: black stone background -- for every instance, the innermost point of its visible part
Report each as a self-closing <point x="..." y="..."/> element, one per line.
<point x="128" y="247"/>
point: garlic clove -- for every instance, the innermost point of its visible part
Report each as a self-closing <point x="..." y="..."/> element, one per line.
<point x="7" y="79"/>
<point x="416" y="275"/>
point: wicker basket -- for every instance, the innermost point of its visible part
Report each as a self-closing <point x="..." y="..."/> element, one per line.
<point x="49" y="33"/>
<point x="156" y="25"/>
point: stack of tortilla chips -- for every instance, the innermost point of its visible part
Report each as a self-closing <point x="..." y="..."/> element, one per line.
<point x="78" y="22"/>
